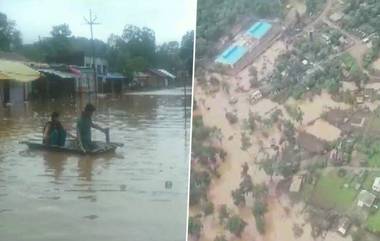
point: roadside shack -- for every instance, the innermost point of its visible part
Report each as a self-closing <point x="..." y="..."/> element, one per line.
<point x="15" y="82"/>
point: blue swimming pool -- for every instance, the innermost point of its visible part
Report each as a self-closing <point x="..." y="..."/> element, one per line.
<point x="259" y="29"/>
<point x="231" y="55"/>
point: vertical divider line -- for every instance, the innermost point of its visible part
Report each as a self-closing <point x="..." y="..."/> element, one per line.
<point x="191" y="122"/>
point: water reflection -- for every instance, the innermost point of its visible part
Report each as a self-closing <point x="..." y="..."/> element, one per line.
<point x="54" y="162"/>
<point x="121" y="194"/>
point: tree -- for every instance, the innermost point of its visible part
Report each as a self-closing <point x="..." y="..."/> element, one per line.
<point x="195" y="226"/>
<point x="260" y="224"/>
<point x="245" y="141"/>
<point x="168" y="55"/>
<point x="61" y="31"/>
<point x="187" y="50"/>
<point x="260" y="191"/>
<point x="220" y="238"/>
<point x="216" y="17"/>
<point x="236" y="225"/>
<point x="253" y="76"/>
<point x="141" y="42"/>
<point x="10" y="38"/>
<point x="259" y="209"/>
<point x="58" y="48"/>
<point x="238" y="197"/>
<point x="311" y="6"/>
<point x="208" y="208"/>
<point x="135" y="50"/>
<point x="246" y="185"/>
<point x="268" y="166"/>
<point x="223" y="213"/>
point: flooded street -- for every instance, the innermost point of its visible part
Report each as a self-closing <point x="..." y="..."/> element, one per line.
<point x="138" y="193"/>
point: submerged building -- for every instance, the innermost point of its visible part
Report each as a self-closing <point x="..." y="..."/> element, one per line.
<point x="153" y="78"/>
<point x="15" y="82"/>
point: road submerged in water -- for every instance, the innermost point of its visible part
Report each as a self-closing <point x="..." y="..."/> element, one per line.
<point x="138" y="193"/>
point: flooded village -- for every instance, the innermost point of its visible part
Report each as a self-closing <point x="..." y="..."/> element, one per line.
<point x="286" y="122"/>
<point x="141" y="89"/>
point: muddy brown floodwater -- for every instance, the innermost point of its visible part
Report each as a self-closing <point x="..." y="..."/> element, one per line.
<point x="138" y="193"/>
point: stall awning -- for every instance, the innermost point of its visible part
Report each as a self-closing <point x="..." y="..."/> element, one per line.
<point x="13" y="70"/>
<point x="60" y="74"/>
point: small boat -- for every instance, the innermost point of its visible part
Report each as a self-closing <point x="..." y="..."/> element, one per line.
<point x="72" y="146"/>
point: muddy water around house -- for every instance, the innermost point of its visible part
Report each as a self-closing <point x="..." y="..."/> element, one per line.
<point x="137" y="193"/>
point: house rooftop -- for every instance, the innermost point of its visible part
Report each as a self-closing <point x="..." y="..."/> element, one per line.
<point x="296" y="184"/>
<point x="60" y="74"/>
<point x="366" y="198"/>
<point x="336" y="16"/>
<point x="376" y="183"/>
<point x="161" y="73"/>
<point x="344" y="225"/>
<point x="167" y="73"/>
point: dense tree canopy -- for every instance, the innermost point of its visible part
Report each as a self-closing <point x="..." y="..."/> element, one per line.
<point x="10" y="37"/>
<point x="134" y="50"/>
<point x="216" y="17"/>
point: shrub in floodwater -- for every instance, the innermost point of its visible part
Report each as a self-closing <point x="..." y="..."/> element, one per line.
<point x="260" y="191"/>
<point x="208" y="208"/>
<point x="259" y="209"/>
<point x="231" y="117"/>
<point x="297" y="230"/>
<point x="199" y="183"/>
<point x="275" y="116"/>
<point x="245" y="142"/>
<point x="195" y="226"/>
<point x="223" y="214"/>
<point x="236" y="225"/>
<point x="342" y="172"/>
<point x="220" y="238"/>
<point x="246" y="185"/>
<point x="238" y="197"/>
<point x="214" y="81"/>
<point x="260" y="224"/>
<point x="200" y="131"/>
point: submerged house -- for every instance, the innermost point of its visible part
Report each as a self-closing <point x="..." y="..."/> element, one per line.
<point x="15" y="78"/>
<point x="54" y="83"/>
<point x="376" y="185"/>
<point x="154" y="78"/>
<point x="296" y="183"/>
<point x="85" y="81"/>
<point x="344" y="225"/>
<point x="366" y="199"/>
<point x="106" y="82"/>
<point x="113" y="83"/>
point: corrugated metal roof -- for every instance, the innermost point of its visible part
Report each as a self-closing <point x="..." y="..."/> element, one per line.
<point x="61" y="74"/>
<point x="167" y="73"/>
<point x="115" y="76"/>
<point x="162" y="73"/>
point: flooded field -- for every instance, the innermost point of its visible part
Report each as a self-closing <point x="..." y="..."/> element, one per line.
<point x="324" y="130"/>
<point x="137" y="193"/>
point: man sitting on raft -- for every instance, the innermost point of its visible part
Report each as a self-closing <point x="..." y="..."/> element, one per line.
<point x="84" y="125"/>
<point x="54" y="133"/>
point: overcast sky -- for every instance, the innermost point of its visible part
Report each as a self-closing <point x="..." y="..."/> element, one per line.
<point x="170" y="19"/>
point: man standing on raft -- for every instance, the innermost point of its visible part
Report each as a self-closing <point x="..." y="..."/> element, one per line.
<point x="84" y="125"/>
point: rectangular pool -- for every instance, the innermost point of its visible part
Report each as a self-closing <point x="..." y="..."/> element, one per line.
<point x="231" y="55"/>
<point x="259" y="29"/>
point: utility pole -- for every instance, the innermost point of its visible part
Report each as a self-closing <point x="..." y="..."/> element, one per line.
<point x="91" y="22"/>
